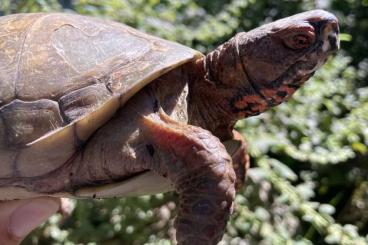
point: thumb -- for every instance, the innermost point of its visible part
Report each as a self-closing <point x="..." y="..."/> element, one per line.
<point x="18" y="218"/>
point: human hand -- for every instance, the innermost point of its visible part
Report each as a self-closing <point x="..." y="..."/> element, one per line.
<point x="18" y="218"/>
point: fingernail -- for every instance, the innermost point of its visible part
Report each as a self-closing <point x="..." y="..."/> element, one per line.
<point x="29" y="216"/>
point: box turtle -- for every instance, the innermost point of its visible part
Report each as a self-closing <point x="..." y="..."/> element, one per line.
<point x="91" y="108"/>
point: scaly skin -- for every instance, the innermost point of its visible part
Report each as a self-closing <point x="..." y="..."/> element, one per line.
<point x="202" y="174"/>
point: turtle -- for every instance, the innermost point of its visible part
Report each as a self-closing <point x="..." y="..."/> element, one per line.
<point x="92" y="108"/>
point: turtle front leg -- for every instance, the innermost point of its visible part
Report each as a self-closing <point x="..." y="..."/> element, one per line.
<point x="202" y="173"/>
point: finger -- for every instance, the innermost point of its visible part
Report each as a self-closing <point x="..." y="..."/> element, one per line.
<point x="19" y="218"/>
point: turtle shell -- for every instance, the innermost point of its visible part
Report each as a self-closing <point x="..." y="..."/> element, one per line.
<point x="62" y="76"/>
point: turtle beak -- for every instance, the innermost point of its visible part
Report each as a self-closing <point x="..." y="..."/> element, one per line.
<point x="327" y="26"/>
<point x="331" y="42"/>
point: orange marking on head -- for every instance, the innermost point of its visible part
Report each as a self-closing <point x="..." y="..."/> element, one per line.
<point x="250" y="105"/>
<point x="279" y="94"/>
<point x="245" y="101"/>
<point x="242" y="114"/>
<point x="290" y="91"/>
<point x="268" y="92"/>
<point x="261" y="106"/>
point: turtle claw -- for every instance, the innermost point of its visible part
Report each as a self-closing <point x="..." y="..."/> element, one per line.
<point x="237" y="148"/>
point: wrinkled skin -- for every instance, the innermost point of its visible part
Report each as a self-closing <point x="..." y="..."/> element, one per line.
<point x="176" y="126"/>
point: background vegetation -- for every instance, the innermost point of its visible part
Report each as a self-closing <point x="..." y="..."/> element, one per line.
<point x="308" y="180"/>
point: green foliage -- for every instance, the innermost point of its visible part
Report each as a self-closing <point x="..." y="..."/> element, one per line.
<point x="354" y="20"/>
<point x="20" y="6"/>
<point x="308" y="183"/>
<point x="331" y="129"/>
<point x="115" y="221"/>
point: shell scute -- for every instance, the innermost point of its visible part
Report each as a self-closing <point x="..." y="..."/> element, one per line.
<point x="83" y="101"/>
<point x="76" y="71"/>
<point x="25" y="121"/>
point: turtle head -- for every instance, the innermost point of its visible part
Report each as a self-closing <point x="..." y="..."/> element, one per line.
<point x="261" y="68"/>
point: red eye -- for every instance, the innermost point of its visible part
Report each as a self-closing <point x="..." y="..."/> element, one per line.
<point x="299" y="41"/>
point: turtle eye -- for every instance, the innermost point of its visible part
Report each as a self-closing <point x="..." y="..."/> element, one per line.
<point x="299" y="41"/>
